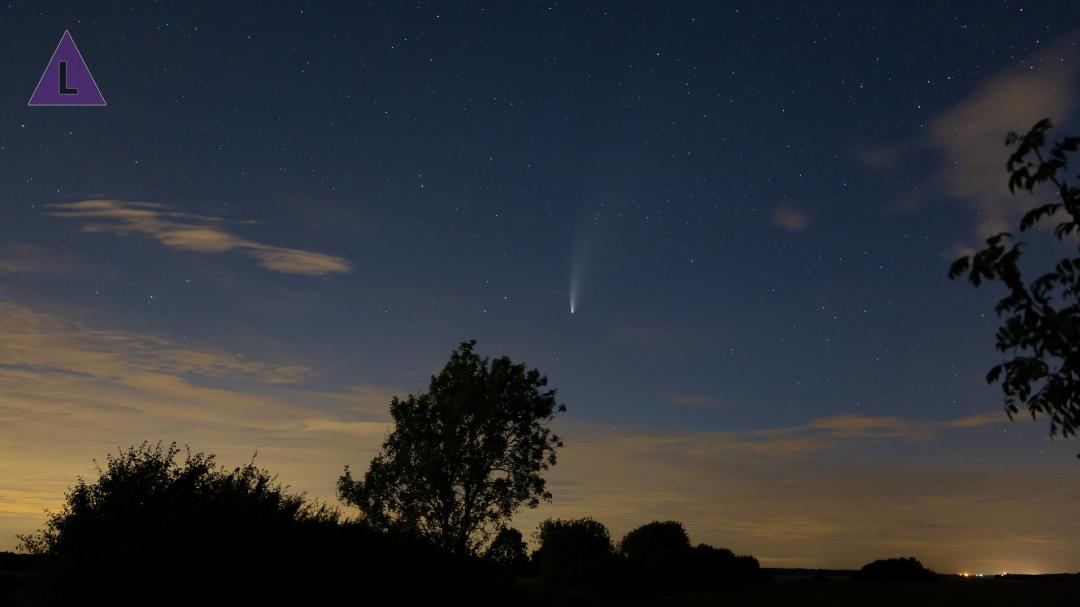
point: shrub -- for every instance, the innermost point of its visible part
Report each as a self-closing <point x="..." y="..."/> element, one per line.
<point x="657" y="555"/>
<point x="574" y="552"/>
<point x="656" y="542"/>
<point x="710" y="567"/>
<point x="155" y="529"/>
<point x="508" y="552"/>
<point x="895" y="570"/>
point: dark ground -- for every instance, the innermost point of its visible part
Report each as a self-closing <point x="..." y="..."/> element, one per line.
<point x="802" y="588"/>
<point x="981" y="593"/>
<point x="791" y="588"/>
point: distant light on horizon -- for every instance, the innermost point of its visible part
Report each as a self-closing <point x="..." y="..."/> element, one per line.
<point x="967" y="574"/>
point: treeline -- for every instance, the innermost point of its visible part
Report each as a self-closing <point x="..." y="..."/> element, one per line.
<point x="158" y="526"/>
<point x="434" y="504"/>
<point x="656" y="557"/>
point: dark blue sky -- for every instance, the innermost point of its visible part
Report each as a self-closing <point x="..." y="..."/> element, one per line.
<point x="325" y="198"/>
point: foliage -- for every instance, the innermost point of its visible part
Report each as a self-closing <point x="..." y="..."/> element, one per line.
<point x="144" y="493"/>
<point x="907" y="569"/>
<point x="710" y="567"/>
<point x="656" y="557"/>
<point x="573" y="552"/>
<point x="508" y="551"/>
<point x="463" y="457"/>
<point x="660" y="558"/>
<point x="158" y="528"/>
<point x="656" y="542"/>
<point x="150" y="518"/>
<point x="1040" y="331"/>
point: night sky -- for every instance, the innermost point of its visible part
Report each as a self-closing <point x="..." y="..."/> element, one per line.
<point x="287" y="214"/>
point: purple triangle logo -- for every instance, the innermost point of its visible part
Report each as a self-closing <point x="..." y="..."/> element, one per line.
<point x="67" y="80"/>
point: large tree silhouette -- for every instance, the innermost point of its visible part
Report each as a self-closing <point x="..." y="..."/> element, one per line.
<point x="464" y="456"/>
<point x="1040" y="332"/>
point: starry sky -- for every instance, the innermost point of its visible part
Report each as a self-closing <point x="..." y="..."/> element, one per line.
<point x="289" y="213"/>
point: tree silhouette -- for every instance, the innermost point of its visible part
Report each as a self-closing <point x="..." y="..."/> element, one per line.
<point x="660" y="557"/>
<point x="657" y="555"/>
<point x="573" y="552"/>
<point x="711" y="567"/>
<point x="508" y="551"/>
<point x="656" y="542"/>
<point x="463" y="457"/>
<point x="1040" y="331"/>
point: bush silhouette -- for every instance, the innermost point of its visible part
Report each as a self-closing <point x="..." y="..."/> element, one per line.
<point x="660" y="558"/>
<point x="657" y="554"/>
<point x="157" y="529"/>
<point x="907" y="569"/>
<point x="710" y="567"/>
<point x="656" y="542"/>
<point x="508" y="552"/>
<point x="656" y="557"/>
<point x="574" y="553"/>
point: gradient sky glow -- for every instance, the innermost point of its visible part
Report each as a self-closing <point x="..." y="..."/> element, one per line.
<point x="287" y="214"/>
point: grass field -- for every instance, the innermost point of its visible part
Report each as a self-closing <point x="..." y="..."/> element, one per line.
<point x="989" y="592"/>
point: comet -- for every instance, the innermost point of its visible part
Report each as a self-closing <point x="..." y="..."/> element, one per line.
<point x="573" y="294"/>
<point x="577" y="272"/>
<point x="582" y="252"/>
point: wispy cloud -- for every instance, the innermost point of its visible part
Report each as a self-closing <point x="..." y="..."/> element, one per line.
<point x="969" y="137"/>
<point x="982" y="419"/>
<point x="190" y="232"/>
<point x="367" y="400"/>
<point x="883" y="156"/>
<point x="816" y="435"/>
<point x="15" y="259"/>
<point x="869" y="426"/>
<point x="34" y="340"/>
<point x="70" y="392"/>
<point x="790" y="219"/>
<point x="23" y="258"/>
<point x="861" y="426"/>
